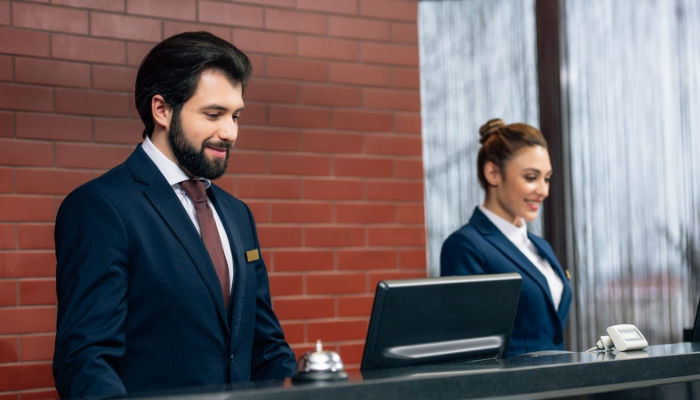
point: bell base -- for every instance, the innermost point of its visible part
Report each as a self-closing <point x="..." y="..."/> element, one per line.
<point x="319" y="376"/>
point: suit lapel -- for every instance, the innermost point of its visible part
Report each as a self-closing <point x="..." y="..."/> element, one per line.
<point x="566" y="293"/>
<point x="163" y="199"/>
<point x="492" y="234"/>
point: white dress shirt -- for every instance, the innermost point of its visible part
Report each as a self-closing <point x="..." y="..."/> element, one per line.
<point x="518" y="236"/>
<point x="174" y="175"/>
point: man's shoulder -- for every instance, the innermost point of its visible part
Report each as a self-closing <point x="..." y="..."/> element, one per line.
<point x="111" y="180"/>
<point x="117" y="179"/>
<point x="116" y="187"/>
<point x="96" y="196"/>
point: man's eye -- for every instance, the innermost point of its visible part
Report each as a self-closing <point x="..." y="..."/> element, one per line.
<point x="211" y="115"/>
<point x="236" y="117"/>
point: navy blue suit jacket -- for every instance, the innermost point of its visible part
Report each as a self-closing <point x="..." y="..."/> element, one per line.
<point x="479" y="247"/>
<point x="140" y="307"/>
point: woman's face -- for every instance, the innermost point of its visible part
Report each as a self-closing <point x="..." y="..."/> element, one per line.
<point x="517" y="192"/>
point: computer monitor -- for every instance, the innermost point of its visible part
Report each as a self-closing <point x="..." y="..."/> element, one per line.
<point x="695" y="335"/>
<point x="419" y="321"/>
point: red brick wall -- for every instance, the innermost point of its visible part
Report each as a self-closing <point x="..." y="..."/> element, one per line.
<point x="329" y="156"/>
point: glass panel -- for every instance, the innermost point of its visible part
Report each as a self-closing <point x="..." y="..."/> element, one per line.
<point x="478" y="61"/>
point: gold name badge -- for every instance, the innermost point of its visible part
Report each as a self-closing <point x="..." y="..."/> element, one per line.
<point x="568" y="274"/>
<point x="252" y="255"/>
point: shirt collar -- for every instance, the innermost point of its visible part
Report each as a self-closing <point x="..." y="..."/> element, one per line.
<point x="171" y="171"/>
<point x="516" y="234"/>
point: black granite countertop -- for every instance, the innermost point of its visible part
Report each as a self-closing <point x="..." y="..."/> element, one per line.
<point x="661" y="371"/>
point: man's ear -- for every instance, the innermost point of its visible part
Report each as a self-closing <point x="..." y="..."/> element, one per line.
<point x="162" y="112"/>
<point x="492" y="174"/>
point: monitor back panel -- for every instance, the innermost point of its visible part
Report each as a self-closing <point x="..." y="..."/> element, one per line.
<point x="695" y="336"/>
<point x="426" y="320"/>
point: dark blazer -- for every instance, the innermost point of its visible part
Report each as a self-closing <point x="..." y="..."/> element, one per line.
<point x="139" y="304"/>
<point x="479" y="247"/>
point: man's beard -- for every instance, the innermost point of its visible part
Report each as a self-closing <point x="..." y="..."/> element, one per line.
<point x="193" y="161"/>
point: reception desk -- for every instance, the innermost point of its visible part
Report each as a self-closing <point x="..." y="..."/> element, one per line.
<point x="663" y="371"/>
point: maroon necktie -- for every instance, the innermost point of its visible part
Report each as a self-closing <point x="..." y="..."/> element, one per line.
<point x="210" y="234"/>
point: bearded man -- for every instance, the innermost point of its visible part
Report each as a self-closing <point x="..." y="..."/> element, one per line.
<point x="160" y="280"/>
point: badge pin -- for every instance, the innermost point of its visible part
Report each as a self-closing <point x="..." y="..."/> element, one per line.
<point x="252" y="255"/>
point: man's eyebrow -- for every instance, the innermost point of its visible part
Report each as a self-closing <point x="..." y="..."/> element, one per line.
<point x="217" y="107"/>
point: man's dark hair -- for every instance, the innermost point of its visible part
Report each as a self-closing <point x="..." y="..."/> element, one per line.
<point x="173" y="67"/>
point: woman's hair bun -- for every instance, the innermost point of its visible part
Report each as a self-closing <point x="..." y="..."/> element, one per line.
<point x="489" y="128"/>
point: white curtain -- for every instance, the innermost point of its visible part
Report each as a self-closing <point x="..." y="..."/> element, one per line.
<point x="630" y="81"/>
<point x="478" y="61"/>
<point x="632" y="84"/>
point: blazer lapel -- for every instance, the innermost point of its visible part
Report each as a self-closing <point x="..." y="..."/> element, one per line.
<point x="163" y="199"/>
<point x="566" y="295"/>
<point x="505" y="246"/>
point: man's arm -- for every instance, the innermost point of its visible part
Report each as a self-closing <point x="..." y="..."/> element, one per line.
<point x="91" y="285"/>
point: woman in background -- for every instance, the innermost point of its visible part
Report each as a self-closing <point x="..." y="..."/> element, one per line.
<point x="514" y="169"/>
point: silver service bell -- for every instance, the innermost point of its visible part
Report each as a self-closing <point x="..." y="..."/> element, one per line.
<point x="320" y="366"/>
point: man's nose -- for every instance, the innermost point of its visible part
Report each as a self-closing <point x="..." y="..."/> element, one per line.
<point x="228" y="130"/>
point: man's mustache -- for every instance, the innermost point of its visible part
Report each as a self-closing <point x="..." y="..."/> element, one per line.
<point x="221" y="145"/>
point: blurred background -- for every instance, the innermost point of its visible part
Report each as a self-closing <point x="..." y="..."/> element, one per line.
<point x="615" y="87"/>
<point x="358" y="144"/>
